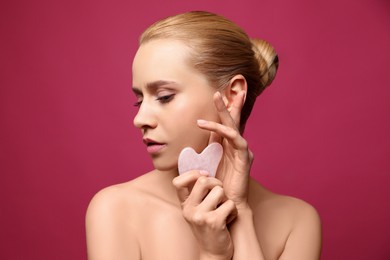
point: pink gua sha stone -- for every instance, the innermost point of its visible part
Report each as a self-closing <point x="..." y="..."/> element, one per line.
<point x="207" y="160"/>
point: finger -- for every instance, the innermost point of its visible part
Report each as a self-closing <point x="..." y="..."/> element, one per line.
<point x="184" y="183"/>
<point x="213" y="199"/>
<point x="227" y="210"/>
<point x="231" y="134"/>
<point x="233" y="117"/>
<point x="201" y="188"/>
<point x="223" y="113"/>
<point x="215" y="138"/>
<point x="236" y="107"/>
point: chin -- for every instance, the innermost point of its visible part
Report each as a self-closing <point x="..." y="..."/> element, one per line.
<point x="164" y="166"/>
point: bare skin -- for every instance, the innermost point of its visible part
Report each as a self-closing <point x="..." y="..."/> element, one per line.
<point x="145" y="216"/>
<point x="161" y="215"/>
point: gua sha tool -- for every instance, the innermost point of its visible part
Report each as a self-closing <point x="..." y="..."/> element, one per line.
<point x="207" y="160"/>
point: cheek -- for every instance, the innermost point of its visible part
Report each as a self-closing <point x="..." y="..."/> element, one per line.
<point x="201" y="107"/>
<point x="186" y="127"/>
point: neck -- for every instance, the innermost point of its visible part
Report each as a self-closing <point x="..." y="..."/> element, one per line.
<point x="167" y="174"/>
<point x="164" y="180"/>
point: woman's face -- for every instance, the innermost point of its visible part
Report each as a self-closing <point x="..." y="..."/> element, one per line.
<point x="171" y="96"/>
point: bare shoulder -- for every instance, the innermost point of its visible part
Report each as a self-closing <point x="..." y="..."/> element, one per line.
<point x="290" y="224"/>
<point x="265" y="200"/>
<point x="112" y="222"/>
<point x="121" y="201"/>
<point x="111" y="200"/>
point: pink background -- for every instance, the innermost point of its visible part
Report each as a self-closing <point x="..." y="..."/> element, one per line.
<point x="320" y="133"/>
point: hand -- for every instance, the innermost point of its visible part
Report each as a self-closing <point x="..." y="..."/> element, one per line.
<point x="208" y="212"/>
<point x="237" y="159"/>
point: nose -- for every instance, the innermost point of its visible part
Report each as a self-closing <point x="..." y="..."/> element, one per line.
<point x="145" y="118"/>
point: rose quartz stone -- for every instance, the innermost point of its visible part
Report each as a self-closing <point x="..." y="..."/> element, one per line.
<point x="207" y="160"/>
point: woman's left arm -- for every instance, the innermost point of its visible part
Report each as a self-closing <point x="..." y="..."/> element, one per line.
<point x="304" y="240"/>
<point x="234" y="171"/>
<point x="244" y="237"/>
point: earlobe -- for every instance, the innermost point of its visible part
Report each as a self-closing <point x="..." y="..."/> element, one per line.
<point x="236" y="85"/>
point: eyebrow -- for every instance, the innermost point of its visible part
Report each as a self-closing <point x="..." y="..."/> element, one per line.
<point x="153" y="85"/>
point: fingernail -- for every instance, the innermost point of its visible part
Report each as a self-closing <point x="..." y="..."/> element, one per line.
<point x="203" y="172"/>
<point x="201" y="122"/>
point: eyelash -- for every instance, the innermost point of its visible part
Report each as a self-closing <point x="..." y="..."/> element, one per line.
<point x="163" y="99"/>
<point x="138" y="103"/>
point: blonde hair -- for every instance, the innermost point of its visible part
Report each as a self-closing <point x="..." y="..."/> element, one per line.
<point x="220" y="50"/>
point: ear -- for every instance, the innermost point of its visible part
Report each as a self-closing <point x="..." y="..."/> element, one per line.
<point x="236" y="85"/>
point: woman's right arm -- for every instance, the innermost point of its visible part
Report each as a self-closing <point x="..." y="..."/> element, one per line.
<point x="109" y="232"/>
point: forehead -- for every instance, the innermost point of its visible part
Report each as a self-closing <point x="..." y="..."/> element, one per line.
<point x="161" y="59"/>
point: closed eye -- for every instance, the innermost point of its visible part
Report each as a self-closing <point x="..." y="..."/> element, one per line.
<point x="165" y="99"/>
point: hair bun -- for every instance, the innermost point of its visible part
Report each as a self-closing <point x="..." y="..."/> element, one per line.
<point x="268" y="60"/>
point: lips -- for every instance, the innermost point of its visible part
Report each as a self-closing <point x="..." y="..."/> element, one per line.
<point x="153" y="147"/>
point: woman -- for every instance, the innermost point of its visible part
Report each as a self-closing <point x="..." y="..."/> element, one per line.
<point x="196" y="77"/>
